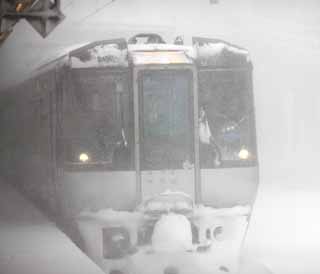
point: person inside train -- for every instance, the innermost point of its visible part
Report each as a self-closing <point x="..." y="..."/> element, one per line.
<point x="207" y="142"/>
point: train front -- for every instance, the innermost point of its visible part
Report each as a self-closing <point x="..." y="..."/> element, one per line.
<point x="183" y="172"/>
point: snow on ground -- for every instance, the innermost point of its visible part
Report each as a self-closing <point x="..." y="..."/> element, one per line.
<point x="31" y="244"/>
<point x="285" y="227"/>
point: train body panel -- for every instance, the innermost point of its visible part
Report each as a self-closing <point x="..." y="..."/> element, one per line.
<point x="79" y="191"/>
<point x="229" y="186"/>
<point x="28" y="121"/>
<point x="154" y="182"/>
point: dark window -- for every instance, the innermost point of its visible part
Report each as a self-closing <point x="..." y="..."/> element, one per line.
<point x="166" y="114"/>
<point x="226" y="107"/>
<point x="97" y="130"/>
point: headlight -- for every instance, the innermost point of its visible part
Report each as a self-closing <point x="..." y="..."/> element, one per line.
<point x="83" y="157"/>
<point x="243" y="154"/>
<point x="116" y="242"/>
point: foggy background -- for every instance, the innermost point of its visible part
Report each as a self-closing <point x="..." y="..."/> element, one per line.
<point x="283" y="38"/>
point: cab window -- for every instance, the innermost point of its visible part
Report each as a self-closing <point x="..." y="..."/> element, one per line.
<point x="97" y="126"/>
<point x="226" y="119"/>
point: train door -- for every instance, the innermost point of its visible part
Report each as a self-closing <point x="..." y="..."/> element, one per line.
<point x="164" y="119"/>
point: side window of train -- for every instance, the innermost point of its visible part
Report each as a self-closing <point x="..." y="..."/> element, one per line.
<point x="226" y="117"/>
<point x="97" y="127"/>
<point x="38" y="131"/>
<point x="9" y="137"/>
<point x="37" y="104"/>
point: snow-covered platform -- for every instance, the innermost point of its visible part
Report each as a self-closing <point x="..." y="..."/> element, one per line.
<point x="30" y="243"/>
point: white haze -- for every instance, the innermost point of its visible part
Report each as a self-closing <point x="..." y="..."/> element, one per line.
<point x="283" y="38"/>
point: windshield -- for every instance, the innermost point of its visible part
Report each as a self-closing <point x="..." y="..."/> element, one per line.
<point x="96" y="119"/>
<point x="226" y="113"/>
<point x="166" y="115"/>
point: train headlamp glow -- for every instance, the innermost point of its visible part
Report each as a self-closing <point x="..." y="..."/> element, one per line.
<point x="243" y="154"/>
<point x="83" y="157"/>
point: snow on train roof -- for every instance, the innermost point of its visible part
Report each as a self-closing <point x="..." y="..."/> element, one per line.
<point x="111" y="55"/>
<point x="115" y="54"/>
<point x="100" y="55"/>
<point x="60" y="54"/>
<point x="211" y="54"/>
<point x="220" y="54"/>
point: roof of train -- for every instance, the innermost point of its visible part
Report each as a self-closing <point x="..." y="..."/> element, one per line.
<point x="117" y="53"/>
<point x="211" y="53"/>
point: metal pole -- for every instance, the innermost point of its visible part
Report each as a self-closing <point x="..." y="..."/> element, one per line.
<point x="137" y="135"/>
<point x="197" y="175"/>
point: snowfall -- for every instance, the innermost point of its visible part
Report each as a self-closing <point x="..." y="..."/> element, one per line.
<point x="283" y="39"/>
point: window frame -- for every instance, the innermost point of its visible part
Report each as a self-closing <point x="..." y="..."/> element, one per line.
<point x="166" y="69"/>
<point x="252" y="128"/>
<point x="122" y="116"/>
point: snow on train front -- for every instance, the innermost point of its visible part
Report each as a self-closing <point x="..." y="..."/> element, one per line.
<point x="166" y="234"/>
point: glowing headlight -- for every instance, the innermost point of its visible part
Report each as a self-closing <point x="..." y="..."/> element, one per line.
<point x="243" y="154"/>
<point x="83" y="157"/>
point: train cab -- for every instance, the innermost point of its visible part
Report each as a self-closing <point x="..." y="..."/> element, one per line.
<point x="150" y="151"/>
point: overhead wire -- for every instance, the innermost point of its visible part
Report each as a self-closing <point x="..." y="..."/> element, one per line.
<point x="68" y="4"/>
<point x="96" y="11"/>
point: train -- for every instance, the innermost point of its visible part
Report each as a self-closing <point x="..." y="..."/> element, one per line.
<point x="142" y="151"/>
